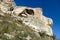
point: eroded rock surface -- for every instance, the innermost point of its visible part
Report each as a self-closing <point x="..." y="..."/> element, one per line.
<point x="24" y="23"/>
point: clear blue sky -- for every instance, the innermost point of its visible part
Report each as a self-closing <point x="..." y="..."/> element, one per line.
<point x="51" y="8"/>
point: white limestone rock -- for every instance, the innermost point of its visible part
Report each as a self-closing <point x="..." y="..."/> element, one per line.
<point x="37" y="22"/>
<point x="32" y="17"/>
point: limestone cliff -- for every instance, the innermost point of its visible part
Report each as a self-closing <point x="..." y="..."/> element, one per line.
<point x="23" y="23"/>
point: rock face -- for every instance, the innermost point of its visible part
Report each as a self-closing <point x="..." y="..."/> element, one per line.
<point x="23" y="23"/>
<point x="34" y="19"/>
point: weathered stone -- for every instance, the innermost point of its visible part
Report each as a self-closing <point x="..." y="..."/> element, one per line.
<point x="38" y="13"/>
<point x="31" y="17"/>
<point x="37" y="22"/>
<point x="7" y="5"/>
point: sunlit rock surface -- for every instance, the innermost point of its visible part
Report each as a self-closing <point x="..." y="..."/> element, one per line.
<point x="23" y="23"/>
